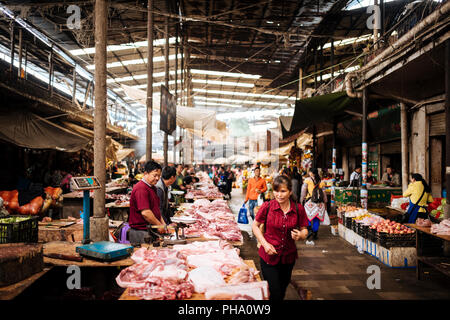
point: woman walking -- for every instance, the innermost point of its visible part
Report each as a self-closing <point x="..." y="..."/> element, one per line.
<point x="314" y="199"/>
<point x="419" y="193"/>
<point x="285" y="222"/>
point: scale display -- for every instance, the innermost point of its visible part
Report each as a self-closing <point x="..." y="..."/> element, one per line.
<point x="85" y="183"/>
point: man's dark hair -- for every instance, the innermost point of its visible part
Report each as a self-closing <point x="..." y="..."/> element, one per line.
<point x="168" y="172"/>
<point x="151" y="166"/>
<point x="358" y="167"/>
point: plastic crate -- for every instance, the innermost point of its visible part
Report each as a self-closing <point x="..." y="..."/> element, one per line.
<point x="348" y="222"/>
<point x="354" y="225"/>
<point x="397" y="240"/>
<point x="372" y="235"/>
<point x="23" y="231"/>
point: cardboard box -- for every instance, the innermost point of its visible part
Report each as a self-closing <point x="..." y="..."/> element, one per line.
<point x="397" y="257"/>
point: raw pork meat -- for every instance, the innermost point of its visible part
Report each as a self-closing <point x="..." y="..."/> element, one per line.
<point x="204" y="278"/>
<point x="252" y="290"/>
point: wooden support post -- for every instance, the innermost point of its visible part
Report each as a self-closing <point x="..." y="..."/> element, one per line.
<point x="447" y="130"/>
<point x="447" y="140"/>
<point x="176" y="89"/>
<point x="404" y="148"/>
<point x="300" y="83"/>
<point x="364" y="194"/>
<point x="99" y="223"/>
<point x="333" y="167"/>
<point x="13" y="40"/>
<point x="332" y="64"/>
<point x="50" y="71"/>
<point x="26" y="62"/>
<point x="166" y="80"/>
<point x="148" y="145"/>
<point x="321" y="62"/>
<point x="375" y="30"/>
<point x="314" y="162"/>
<point x="19" y="71"/>
<point x="74" y="85"/>
<point x="315" y="68"/>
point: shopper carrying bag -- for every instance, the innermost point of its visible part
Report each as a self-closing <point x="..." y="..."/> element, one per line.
<point x="315" y="199"/>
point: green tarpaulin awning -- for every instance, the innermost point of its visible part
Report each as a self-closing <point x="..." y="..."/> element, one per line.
<point x="320" y="109"/>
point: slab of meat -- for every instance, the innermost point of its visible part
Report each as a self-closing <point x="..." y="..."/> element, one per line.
<point x="442" y="228"/>
<point x="423" y="222"/>
<point x="224" y="262"/>
<point x="163" y="290"/>
<point x="204" y="278"/>
<point x="252" y="290"/>
<point x="245" y="274"/>
<point x="202" y="247"/>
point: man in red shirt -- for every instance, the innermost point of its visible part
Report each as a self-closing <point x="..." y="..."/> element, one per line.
<point x="144" y="204"/>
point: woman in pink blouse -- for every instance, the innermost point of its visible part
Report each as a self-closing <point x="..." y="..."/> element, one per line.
<point x="285" y="222"/>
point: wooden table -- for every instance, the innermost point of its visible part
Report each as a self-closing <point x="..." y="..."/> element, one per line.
<point x="13" y="290"/>
<point x="60" y="230"/>
<point x="69" y="248"/>
<point x="195" y="296"/>
<point x="429" y="251"/>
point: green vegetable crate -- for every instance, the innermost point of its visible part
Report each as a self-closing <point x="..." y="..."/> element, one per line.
<point x="19" y="229"/>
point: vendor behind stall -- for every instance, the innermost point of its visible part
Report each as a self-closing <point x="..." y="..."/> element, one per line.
<point x="370" y="178"/>
<point x="168" y="176"/>
<point x="355" y="177"/>
<point x="144" y="204"/>
<point x="419" y="193"/>
<point x="391" y="178"/>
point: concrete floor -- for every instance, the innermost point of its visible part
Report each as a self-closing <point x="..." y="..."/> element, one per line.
<point x="333" y="269"/>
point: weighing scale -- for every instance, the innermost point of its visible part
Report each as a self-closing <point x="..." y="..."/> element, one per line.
<point x="103" y="250"/>
<point x="180" y="223"/>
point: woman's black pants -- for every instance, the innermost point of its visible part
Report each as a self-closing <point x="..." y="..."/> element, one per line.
<point x="278" y="277"/>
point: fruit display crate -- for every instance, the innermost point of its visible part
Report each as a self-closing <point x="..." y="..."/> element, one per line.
<point x="388" y="240"/>
<point x="21" y="231"/>
<point x="348" y="222"/>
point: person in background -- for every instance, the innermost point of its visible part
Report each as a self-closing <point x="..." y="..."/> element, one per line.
<point x="285" y="222"/>
<point x="315" y="206"/>
<point x="297" y="183"/>
<point x="390" y="177"/>
<point x="230" y="178"/>
<point x="355" y="177"/>
<point x="286" y="172"/>
<point x="65" y="181"/>
<point x="178" y="184"/>
<point x="419" y="193"/>
<point x="168" y="176"/>
<point x="144" y="204"/>
<point x="370" y="178"/>
<point x="256" y="186"/>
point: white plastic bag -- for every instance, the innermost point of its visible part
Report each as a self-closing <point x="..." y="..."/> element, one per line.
<point x="326" y="219"/>
<point x="260" y="200"/>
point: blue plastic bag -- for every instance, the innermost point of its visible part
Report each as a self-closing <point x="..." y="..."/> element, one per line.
<point x="242" y="217"/>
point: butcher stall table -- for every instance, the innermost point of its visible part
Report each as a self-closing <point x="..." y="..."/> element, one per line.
<point x="195" y="296"/>
<point x="430" y="252"/>
<point x="60" y="230"/>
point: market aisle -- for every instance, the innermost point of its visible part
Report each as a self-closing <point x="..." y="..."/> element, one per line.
<point x="334" y="270"/>
<point x="249" y="251"/>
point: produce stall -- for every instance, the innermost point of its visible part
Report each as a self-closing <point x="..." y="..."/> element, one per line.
<point x="377" y="196"/>
<point x="392" y="243"/>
